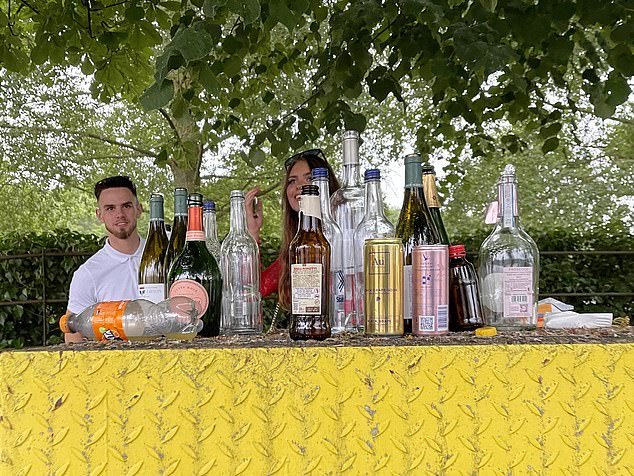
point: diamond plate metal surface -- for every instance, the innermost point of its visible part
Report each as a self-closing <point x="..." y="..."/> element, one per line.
<point x="477" y="410"/>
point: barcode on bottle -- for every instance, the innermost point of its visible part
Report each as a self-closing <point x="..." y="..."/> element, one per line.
<point x="426" y="323"/>
<point x="519" y="298"/>
<point x="442" y="317"/>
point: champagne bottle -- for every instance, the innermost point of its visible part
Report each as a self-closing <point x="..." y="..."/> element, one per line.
<point x="415" y="227"/>
<point x="309" y="260"/>
<point x="179" y="228"/>
<point x="152" y="275"/>
<point x="508" y="265"/>
<point x="431" y="197"/>
<point x="195" y="273"/>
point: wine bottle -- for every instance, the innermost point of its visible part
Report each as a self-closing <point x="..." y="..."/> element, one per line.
<point x="431" y="197"/>
<point x="152" y="275"/>
<point x="374" y="225"/>
<point x="211" y="230"/>
<point x="195" y="273"/>
<point x="415" y="227"/>
<point x="309" y="260"/>
<point x="179" y="228"/>
<point x="508" y="265"/>
<point x="348" y="206"/>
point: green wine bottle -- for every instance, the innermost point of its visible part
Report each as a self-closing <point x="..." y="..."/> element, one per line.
<point x="152" y="274"/>
<point x="195" y="273"/>
<point x="431" y="196"/>
<point x="179" y="228"/>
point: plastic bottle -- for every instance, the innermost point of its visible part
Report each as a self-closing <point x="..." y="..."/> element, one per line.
<point x="136" y="320"/>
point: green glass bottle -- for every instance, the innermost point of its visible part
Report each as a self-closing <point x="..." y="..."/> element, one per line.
<point x="179" y="228"/>
<point x="152" y="274"/>
<point x="431" y="196"/>
<point x="415" y="227"/>
<point x="195" y="273"/>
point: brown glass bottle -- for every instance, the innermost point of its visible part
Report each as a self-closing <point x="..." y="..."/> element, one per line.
<point x="309" y="259"/>
<point x="465" y="309"/>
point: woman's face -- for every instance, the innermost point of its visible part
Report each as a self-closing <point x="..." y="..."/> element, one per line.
<point x="298" y="175"/>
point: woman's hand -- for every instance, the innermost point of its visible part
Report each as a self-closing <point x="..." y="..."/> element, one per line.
<point x="254" y="213"/>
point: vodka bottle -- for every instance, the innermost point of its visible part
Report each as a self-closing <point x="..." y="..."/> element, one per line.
<point x="152" y="274"/>
<point x="415" y="227"/>
<point x="211" y="230"/>
<point x="347" y="205"/>
<point x="240" y="267"/>
<point x="374" y="225"/>
<point x="509" y="265"/>
<point x="431" y="197"/>
<point x="333" y="234"/>
<point x="136" y="320"/>
<point x="309" y="260"/>
<point x="179" y="228"/>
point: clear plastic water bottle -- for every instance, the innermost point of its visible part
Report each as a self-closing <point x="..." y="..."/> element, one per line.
<point x="211" y="229"/>
<point x="240" y="268"/>
<point x="136" y="320"/>
<point x="333" y="234"/>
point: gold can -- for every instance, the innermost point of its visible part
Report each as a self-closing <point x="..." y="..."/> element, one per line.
<point x="383" y="294"/>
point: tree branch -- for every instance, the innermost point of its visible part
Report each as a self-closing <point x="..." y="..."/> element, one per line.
<point x="167" y="117"/>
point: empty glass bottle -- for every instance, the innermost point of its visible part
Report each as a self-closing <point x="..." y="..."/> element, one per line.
<point x="240" y="267"/>
<point x="465" y="308"/>
<point x="211" y="230"/>
<point x="374" y="225"/>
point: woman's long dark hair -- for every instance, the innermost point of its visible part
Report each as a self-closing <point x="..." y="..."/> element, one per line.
<point x="290" y="223"/>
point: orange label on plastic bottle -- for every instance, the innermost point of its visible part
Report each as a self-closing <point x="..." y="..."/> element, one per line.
<point x="194" y="290"/>
<point x="107" y="320"/>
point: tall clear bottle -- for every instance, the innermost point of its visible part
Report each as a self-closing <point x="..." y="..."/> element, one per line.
<point x="348" y="206"/>
<point x="211" y="229"/>
<point x="309" y="260"/>
<point x="374" y="225"/>
<point x="431" y="197"/>
<point x="508" y="265"/>
<point x="415" y="227"/>
<point x="179" y="228"/>
<point x="240" y="267"/>
<point x="333" y="234"/>
<point x="195" y="273"/>
<point x="152" y="274"/>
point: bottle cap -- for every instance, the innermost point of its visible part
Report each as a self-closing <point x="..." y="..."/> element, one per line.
<point x="195" y="199"/>
<point x="156" y="197"/>
<point x="350" y="135"/>
<point x="456" y="251"/>
<point x="310" y="190"/>
<point x="413" y="158"/>
<point x="209" y="206"/>
<point x="372" y="174"/>
<point x="486" y="331"/>
<point x="428" y="169"/>
<point x="63" y="323"/>
<point x="180" y="192"/>
<point x="319" y="172"/>
<point x="236" y="194"/>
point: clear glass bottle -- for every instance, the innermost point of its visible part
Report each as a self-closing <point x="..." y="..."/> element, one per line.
<point x="195" y="273"/>
<point x="465" y="308"/>
<point x="333" y="234"/>
<point x="348" y="206"/>
<point x="374" y="225"/>
<point x="211" y="229"/>
<point x="415" y="227"/>
<point x="309" y="260"/>
<point x="431" y="197"/>
<point x="240" y="267"/>
<point x="179" y="228"/>
<point x="152" y="274"/>
<point x="508" y="265"/>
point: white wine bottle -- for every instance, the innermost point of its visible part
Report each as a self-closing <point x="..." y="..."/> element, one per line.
<point x="152" y="274"/>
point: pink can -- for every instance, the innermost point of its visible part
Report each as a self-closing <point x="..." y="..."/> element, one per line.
<point x="430" y="290"/>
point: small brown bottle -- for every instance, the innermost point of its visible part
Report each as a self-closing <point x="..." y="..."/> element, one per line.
<point x="465" y="309"/>
<point x="309" y="259"/>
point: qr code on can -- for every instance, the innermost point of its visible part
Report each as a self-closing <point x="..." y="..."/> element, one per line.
<point x="426" y="323"/>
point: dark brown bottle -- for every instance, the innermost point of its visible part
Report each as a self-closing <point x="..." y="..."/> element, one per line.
<point x="465" y="309"/>
<point x="309" y="259"/>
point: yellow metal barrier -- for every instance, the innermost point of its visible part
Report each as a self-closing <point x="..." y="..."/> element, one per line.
<point x="521" y="409"/>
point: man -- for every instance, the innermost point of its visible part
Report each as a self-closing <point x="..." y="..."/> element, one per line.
<point x="112" y="273"/>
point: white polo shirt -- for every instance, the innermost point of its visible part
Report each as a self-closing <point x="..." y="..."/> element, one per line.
<point x="108" y="275"/>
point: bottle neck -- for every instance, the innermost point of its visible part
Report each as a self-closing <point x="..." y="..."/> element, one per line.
<point x="373" y="199"/>
<point x="324" y="198"/>
<point x="238" y="215"/>
<point x="209" y="219"/>
<point x="413" y="175"/>
<point x="195" y="224"/>
<point x="351" y="167"/>
<point x="431" y="194"/>
<point x="309" y="213"/>
<point x="180" y="206"/>
<point x="352" y="175"/>
<point x="157" y="213"/>
<point x="508" y="216"/>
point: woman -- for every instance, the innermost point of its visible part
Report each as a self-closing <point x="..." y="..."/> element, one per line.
<point x="298" y="172"/>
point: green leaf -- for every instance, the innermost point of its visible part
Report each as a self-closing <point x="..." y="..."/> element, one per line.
<point x="235" y="102"/>
<point x="134" y="13"/>
<point x="39" y="53"/>
<point x="280" y="11"/>
<point x="157" y="95"/>
<point x="617" y="88"/>
<point x="268" y="97"/>
<point x="622" y="59"/>
<point x="161" y="160"/>
<point x="249" y="10"/>
<point x="489" y="4"/>
<point x="550" y="144"/>
<point x="210" y="7"/>
<point x="356" y="122"/>
<point x="256" y="156"/>
<point x="192" y="44"/>
<point x="208" y="79"/>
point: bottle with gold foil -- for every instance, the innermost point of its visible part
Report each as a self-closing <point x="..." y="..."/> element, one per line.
<point x="431" y="196"/>
<point x="309" y="260"/>
<point x="415" y="227"/>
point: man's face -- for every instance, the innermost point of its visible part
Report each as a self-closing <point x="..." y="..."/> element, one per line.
<point x="118" y="211"/>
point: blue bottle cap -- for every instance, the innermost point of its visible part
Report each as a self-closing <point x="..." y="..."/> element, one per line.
<point x="372" y="174"/>
<point x="209" y="205"/>
<point x="319" y="172"/>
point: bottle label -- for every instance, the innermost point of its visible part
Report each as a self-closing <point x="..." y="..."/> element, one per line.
<point x="107" y="320"/>
<point x="154" y="292"/>
<point x="310" y="205"/>
<point x="518" y="292"/>
<point x="306" y="289"/>
<point x="195" y="235"/>
<point x="407" y="291"/>
<point x="194" y="290"/>
<point x="431" y="195"/>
